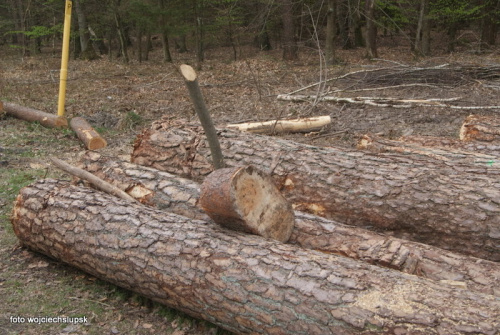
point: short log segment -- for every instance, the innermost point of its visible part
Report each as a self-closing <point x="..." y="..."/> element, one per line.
<point x="301" y="125"/>
<point x="33" y="115"/>
<point x="245" y="199"/>
<point x="378" y="144"/>
<point x="454" y="206"/>
<point x="178" y="195"/>
<point x="240" y="282"/>
<point x="87" y="134"/>
<point x="481" y="128"/>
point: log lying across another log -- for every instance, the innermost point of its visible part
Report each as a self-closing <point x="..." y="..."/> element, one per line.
<point x="378" y="144"/>
<point x="178" y="195"/>
<point x="454" y="206"/>
<point x="243" y="283"/>
<point x="481" y="128"/>
<point x="32" y="115"/>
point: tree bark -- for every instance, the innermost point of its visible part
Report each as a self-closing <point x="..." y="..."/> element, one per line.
<point x="87" y="134"/>
<point x="242" y="283"/>
<point x="34" y="115"/>
<point x="378" y="144"/>
<point x="87" y="49"/>
<point x="453" y="206"/>
<point x="481" y="128"/>
<point x="178" y="195"/>
<point x="331" y="32"/>
<point x="371" y="29"/>
<point x="454" y="144"/>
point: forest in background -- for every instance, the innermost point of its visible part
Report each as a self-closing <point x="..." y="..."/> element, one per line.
<point x="129" y="29"/>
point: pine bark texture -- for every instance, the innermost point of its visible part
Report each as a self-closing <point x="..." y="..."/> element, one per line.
<point x="481" y="128"/>
<point x="454" y="144"/>
<point x="452" y="206"/>
<point x="379" y="144"/>
<point x="33" y="115"/>
<point x="178" y="195"/>
<point x="243" y="283"/>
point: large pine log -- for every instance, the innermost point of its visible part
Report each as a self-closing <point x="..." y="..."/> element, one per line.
<point x="452" y="206"/>
<point x="178" y="195"/>
<point x="243" y="283"/>
<point x="378" y="144"/>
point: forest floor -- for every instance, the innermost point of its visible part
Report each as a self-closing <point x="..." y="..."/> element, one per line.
<point x="119" y="100"/>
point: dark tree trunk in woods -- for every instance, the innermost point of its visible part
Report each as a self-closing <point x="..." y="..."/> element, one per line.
<point x="178" y="195"/>
<point x="331" y="32"/>
<point x="87" y="49"/>
<point x="371" y="29"/>
<point x="242" y="283"/>
<point x="290" y="49"/>
<point x="453" y="206"/>
<point x="489" y="29"/>
<point x="167" y="57"/>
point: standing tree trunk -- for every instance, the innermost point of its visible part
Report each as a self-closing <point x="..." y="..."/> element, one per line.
<point x="422" y="36"/>
<point x="455" y="207"/>
<point x="242" y="283"/>
<point x="119" y="29"/>
<point x="290" y="49"/>
<point x="331" y="32"/>
<point x="199" y="34"/>
<point x="371" y="29"/>
<point x="167" y="57"/>
<point x="489" y="23"/>
<point x="87" y="49"/>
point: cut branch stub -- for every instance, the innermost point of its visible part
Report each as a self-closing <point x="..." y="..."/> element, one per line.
<point x="246" y="199"/>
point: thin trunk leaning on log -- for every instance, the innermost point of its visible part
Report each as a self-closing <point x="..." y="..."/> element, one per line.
<point x="32" y="115"/>
<point x="379" y="144"/>
<point x="178" y="195"/>
<point x="453" y="144"/>
<point x="481" y="128"/>
<point x="452" y="206"/>
<point x="240" y="282"/>
<point x="283" y="126"/>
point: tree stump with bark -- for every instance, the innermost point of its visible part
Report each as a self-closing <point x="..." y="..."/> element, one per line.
<point x="454" y="206"/>
<point x="240" y="282"/>
<point x="178" y="195"/>
<point x="246" y="199"/>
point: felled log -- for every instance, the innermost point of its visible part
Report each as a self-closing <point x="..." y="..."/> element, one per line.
<point x="378" y="144"/>
<point x="452" y="206"/>
<point x="481" y="128"/>
<point x="246" y="199"/>
<point x="178" y="195"/>
<point x="243" y="283"/>
<point x="33" y="115"/>
<point x="283" y="126"/>
<point x="87" y="134"/>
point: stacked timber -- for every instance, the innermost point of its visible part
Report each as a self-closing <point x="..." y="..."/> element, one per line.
<point x="241" y="282"/>
<point x="451" y="205"/>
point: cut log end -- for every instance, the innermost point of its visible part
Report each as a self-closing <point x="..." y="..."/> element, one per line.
<point x="246" y="199"/>
<point x="188" y="72"/>
<point x="87" y="134"/>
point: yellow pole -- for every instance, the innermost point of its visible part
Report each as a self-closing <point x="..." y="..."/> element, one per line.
<point x="64" y="58"/>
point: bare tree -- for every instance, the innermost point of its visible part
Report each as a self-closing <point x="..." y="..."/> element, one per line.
<point x="290" y="48"/>
<point x="371" y="29"/>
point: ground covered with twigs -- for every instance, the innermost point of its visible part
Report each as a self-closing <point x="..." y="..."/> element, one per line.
<point x="391" y="97"/>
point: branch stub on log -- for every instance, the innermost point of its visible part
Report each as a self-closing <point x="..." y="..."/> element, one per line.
<point x="246" y="199"/>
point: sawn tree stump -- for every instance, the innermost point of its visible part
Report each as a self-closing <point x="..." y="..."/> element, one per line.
<point x="243" y="283"/>
<point x="454" y="206"/>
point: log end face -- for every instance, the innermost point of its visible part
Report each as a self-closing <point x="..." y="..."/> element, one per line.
<point x="265" y="211"/>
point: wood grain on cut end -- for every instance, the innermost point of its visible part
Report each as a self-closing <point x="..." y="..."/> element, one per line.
<point x="246" y="199"/>
<point x="87" y="134"/>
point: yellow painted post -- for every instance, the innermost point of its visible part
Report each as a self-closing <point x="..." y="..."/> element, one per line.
<point x="64" y="58"/>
